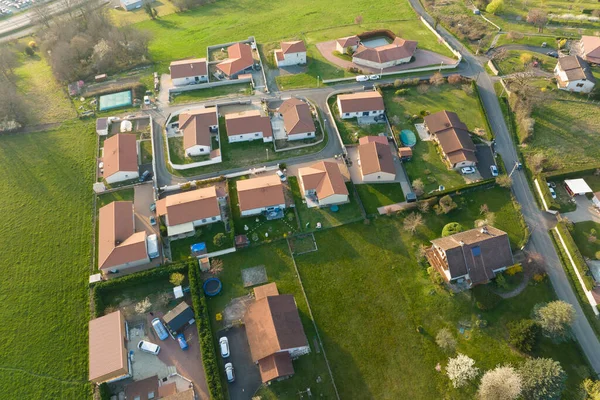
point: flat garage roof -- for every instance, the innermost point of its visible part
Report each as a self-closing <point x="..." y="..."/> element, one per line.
<point x="578" y="186"/>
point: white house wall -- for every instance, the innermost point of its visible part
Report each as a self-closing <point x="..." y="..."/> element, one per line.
<point x="333" y="199"/>
<point x="122" y="176"/>
<point x="259" y="210"/>
<point x="377" y="65"/>
<point x="206" y="221"/>
<point x="586" y="87"/>
<point x="292" y="59"/>
<point x="197" y="150"/>
<point x="300" y="136"/>
<point x="188" y="80"/>
<point x="379" y="177"/>
<point x="248" y="137"/>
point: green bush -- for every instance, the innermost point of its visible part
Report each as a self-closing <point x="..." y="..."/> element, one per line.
<point x="485" y="298"/>
<point x="451" y="228"/>
<point x="219" y="239"/>
<point x="523" y="334"/>
<point x="104" y="391"/>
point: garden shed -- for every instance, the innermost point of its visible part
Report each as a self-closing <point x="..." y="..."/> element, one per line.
<point x="577" y="187"/>
<point x="179" y="318"/>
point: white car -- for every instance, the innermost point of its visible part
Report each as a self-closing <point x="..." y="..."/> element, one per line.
<point x="149" y="347"/>
<point x="281" y="176"/>
<point x="467" y="170"/>
<point x="494" y="170"/>
<point x="552" y="193"/>
<point x="374" y="77"/>
<point x="147" y="100"/>
<point x="362" y="78"/>
<point x="229" y="372"/>
<point x="224" y="346"/>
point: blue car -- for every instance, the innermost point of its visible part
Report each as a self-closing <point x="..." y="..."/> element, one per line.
<point x="182" y="343"/>
<point x="160" y="329"/>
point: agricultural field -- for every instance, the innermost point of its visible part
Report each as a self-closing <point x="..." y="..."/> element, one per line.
<point x="46" y="230"/>
<point x="240" y="89"/>
<point x="396" y="298"/>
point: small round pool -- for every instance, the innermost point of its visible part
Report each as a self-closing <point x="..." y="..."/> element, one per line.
<point x="408" y="138"/>
<point x="212" y="287"/>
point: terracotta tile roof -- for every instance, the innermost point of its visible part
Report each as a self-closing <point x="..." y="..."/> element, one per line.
<point x="265" y="191"/>
<point x="376" y="157"/>
<point x="396" y="50"/>
<point x="188" y="68"/>
<point x="361" y="101"/>
<point x="248" y="122"/>
<point x="325" y="178"/>
<point x="371" y="139"/>
<point x="405" y="152"/>
<point x="167" y="390"/>
<point x="295" y="46"/>
<point x="275" y="366"/>
<point x="142" y="389"/>
<point x="196" y="126"/>
<point x="106" y="347"/>
<point x="591" y="48"/>
<point x="117" y="242"/>
<point x="189" y="206"/>
<point x="270" y="289"/>
<point x="297" y="117"/>
<point x="348" y="41"/>
<point x="240" y="58"/>
<point x="279" y="55"/>
<point x="272" y="325"/>
<point x="453" y="136"/>
<point x="575" y="68"/>
<point x="185" y="395"/>
<point x="120" y="154"/>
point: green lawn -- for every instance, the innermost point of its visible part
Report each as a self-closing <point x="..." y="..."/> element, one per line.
<point x="177" y="152"/>
<point x="180" y="249"/>
<point x="369" y="295"/>
<point x="512" y="63"/>
<point x="46" y="228"/>
<point x="240" y="89"/>
<point x="350" y="130"/>
<point x="528" y="40"/>
<point x="146" y="150"/>
<point x="426" y="164"/>
<point x="278" y="264"/>
<point x="119" y="195"/>
<point x="378" y="195"/>
<point x="584" y="238"/>
<point x="309" y="217"/>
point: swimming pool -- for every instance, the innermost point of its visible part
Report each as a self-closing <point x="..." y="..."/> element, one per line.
<point x="376" y="41"/>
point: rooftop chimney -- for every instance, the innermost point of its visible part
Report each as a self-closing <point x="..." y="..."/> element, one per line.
<point x="484" y="229"/>
<point x="461" y="243"/>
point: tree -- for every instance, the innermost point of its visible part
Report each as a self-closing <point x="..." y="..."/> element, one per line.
<point x="451" y="228"/>
<point x="143" y="306"/>
<point x="542" y="379"/>
<point x="592" y="389"/>
<point x="504" y="181"/>
<point x="358" y="20"/>
<point x="445" y="205"/>
<point x="8" y="62"/>
<point x="29" y="51"/>
<point x="514" y="35"/>
<point x="445" y="339"/>
<point x="537" y="18"/>
<point x="526" y="58"/>
<point x="437" y="79"/>
<point x="555" y="318"/>
<point x="455" y="79"/>
<point x="483" y="209"/>
<point x="412" y="222"/>
<point x="536" y="162"/>
<point x="500" y="383"/>
<point x="495" y="6"/>
<point x="219" y="239"/>
<point x="461" y="369"/>
<point x="216" y="266"/>
<point x="418" y="186"/>
<point x="499" y="54"/>
<point x="523" y="334"/>
<point x="13" y="110"/>
<point x="152" y="12"/>
<point x="424" y="206"/>
<point x="176" y="278"/>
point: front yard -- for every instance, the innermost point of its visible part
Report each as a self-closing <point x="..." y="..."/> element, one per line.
<point x="177" y="152"/>
<point x="378" y="195"/>
<point x="180" y="249"/>
<point x="512" y="63"/>
<point x="238" y="89"/>
<point x="350" y="130"/>
<point x="146" y="151"/>
<point x="586" y="235"/>
<point x="118" y="195"/>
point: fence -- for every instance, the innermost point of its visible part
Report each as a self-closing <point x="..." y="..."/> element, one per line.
<point x="252" y="171"/>
<point x="493" y="68"/>
<point x="219" y="253"/>
<point x="432" y="29"/>
<point x="187" y="88"/>
<point x="407" y="71"/>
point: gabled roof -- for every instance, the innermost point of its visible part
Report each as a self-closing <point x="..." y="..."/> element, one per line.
<point x="179" y="316"/>
<point x="297" y="117"/>
<point x="117" y="242"/>
<point x="361" y="101"/>
<point x="106" y="347"/>
<point x="142" y="389"/>
<point x="248" y="122"/>
<point x="265" y="191"/>
<point x="376" y="157"/>
<point x="396" y="50"/>
<point x="591" y="48"/>
<point x="188" y="68"/>
<point x="196" y="126"/>
<point x="295" y="46"/>
<point x="325" y="178"/>
<point x="262" y="291"/>
<point x="189" y="206"/>
<point x="348" y="41"/>
<point x="575" y="68"/>
<point x="275" y="366"/>
<point x="240" y="58"/>
<point x="120" y="154"/>
<point x="453" y="136"/>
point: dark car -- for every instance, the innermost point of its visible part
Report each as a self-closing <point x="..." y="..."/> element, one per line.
<point x="552" y="54"/>
<point x="147" y="175"/>
<point x="182" y="343"/>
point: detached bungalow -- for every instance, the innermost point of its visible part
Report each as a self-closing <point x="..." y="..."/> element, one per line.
<point x="198" y="126"/>
<point x="108" y="337"/>
<point x="183" y="212"/>
<point x="291" y="53"/>
<point x="120" y="158"/>
<point x="240" y="59"/>
<point x="458" y="149"/>
<point x="574" y="74"/>
<point x="375" y="159"/>
<point x="323" y="184"/>
<point x="187" y="72"/>
<point x="361" y="104"/>
<point x="590" y="49"/>
<point x="347" y="44"/>
<point x="398" y="52"/>
<point x="247" y="126"/>
<point x="297" y="119"/>
<point x="257" y="195"/>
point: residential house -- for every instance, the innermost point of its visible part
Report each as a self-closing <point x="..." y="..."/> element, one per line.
<point x="361" y="104"/>
<point x="590" y="49"/>
<point x="257" y="195"/>
<point x="574" y="74"/>
<point x="119" y="246"/>
<point x="247" y="126"/>
<point x="347" y="45"/>
<point x="475" y="256"/>
<point x="453" y="137"/>
<point x="198" y="127"/>
<point x="120" y="158"/>
<point x="102" y="126"/>
<point x="322" y="184"/>
<point x="143" y="389"/>
<point x="179" y="318"/>
<point x="375" y="159"/>
<point x="239" y="60"/>
<point x="275" y="333"/>
<point x="291" y="53"/>
<point x="129" y="5"/>
<point x="108" y="357"/>
<point x="185" y="211"/>
<point x="298" y="121"/>
<point x="188" y="72"/>
<point x="398" y="52"/>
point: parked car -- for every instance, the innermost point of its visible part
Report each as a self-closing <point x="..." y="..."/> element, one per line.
<point x="147" y="100"/>
<point x="518" y="165"/>
<point x="181" y="340"/>
<point x="224" y="346"/>
<point x="281" y="175"/>
<point x="229" y="372"/>
<point x="494" y="170"/>
<point x="374" y="77"/>
<point x="152" y="243"/>
<point x="149" y="347"/>
<point x="152" y="220"/>
<point x="362" y="78"/>
<point x="552" y="54"/>
<point x="544" y="44"/>
<point x="552" y="193"/>
<point x="467" y="170"/>
<point x="159" y="328"/>
<point x="145" y="176"/>
<point x="153" y="207"/>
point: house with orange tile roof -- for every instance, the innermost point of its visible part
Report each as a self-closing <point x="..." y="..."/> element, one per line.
<point x="188" y="72"/>
<point x="360" y="104"/>
<point x="398" y="52"/>
<point x="120" y="158"/>
<point x="590" y="49"/>
<point x="298" y="120"/>
<point x="322" y="184"/>
<point x="240" y="59"/>
<point x="247" y="126"/>
<point x="108" y="356"/>
<point x="347" y="44"/>
<point x="375" y="159"/>
<point x="257" y="195"/>
<point x="198" y="127"/>
<point x="290" y="53"/>
<point x="453" y="137"/>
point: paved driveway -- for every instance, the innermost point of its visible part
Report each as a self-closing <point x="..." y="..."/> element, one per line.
<point x="485" y="158"/>
<point x="247" y="375"/>
<point x="585" y="211"/>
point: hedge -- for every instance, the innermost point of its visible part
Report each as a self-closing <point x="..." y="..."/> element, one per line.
<point x="576" y="173"/>
<point x="484" y="184"/>
<point x="552" y="204"/>
<point x="580" y="263"/>
<point x="482" y="109"/>
<point x="209" y="357"/>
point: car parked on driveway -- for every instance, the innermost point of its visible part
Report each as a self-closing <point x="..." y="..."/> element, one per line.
<point x="373" y="77"/>
<point x="552" y="193"/>
<point x="552" y="54"/>
<point x="467" y="170"/>
<point x="281" y="175"/>
<point x="224" y="346"/>
<point x="362" y="78"/>
<point x="149" y="347"/>
<point x="229" y="372"/>
<point x="494" y="170"/>
<point x="152" y="220"/>
<point x="182" y="343"/>
<point x="160" y="329"/>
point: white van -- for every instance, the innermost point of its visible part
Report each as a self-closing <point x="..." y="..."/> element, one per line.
<point x="149" y="347"/>
<point x="362" y="78"/>
<point x="152" y="246"/>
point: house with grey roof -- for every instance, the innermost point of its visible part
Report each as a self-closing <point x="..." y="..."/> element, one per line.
<point x="572" y="73"/>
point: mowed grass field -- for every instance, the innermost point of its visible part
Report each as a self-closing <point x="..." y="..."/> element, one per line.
<point x="46" y="229"/>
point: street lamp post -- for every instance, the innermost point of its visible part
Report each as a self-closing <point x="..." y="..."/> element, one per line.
<point x="317" y="80"/>
<point x="267" y="154"/>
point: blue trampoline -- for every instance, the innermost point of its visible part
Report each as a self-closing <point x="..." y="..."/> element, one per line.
<point x="408" y="138"/>
<point x="212" y="287"/>
<point x="198" y="247"/>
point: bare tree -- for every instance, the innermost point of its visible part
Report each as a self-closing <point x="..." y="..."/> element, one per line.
<point x="504" y="181"/>
<point x="499" y="54"/>
<point x="418" y="186"/>
<point x="445" y="205"/>
<point x="8" y="62"/>
<point x="216" y="266"/>
<point x="483" y="209"/>
<point x="437" y="79"/>
<point x="461" y="369"/>
<point x="423" y="206"/>
<point x="41" y="15"/>
<point x="538" y="18"/>
<point x="13" y="110"/>
<point x="445" y="339"/>
<point x="501" y="383"/>
<point x="143" y="306"/>
<point x="412" y="222"/>
<point x="514" y="35"/>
